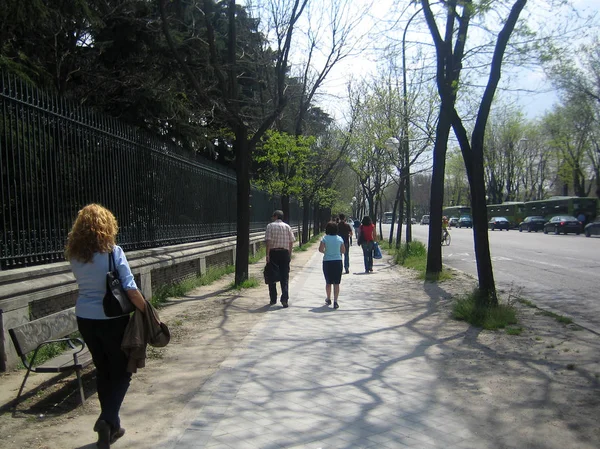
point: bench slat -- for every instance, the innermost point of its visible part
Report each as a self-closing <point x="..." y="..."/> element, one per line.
<point x="64" y="362"/>
<point x="28" y="336"/>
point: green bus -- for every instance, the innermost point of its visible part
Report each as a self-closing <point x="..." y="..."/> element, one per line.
<point x="513" y="211"/>
<point x="564" y="205"/>
<point x="456" y="211"/>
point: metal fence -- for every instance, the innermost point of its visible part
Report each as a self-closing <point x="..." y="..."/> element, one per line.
<point x="58" y="156"/>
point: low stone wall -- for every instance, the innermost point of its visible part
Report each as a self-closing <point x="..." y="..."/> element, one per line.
<point x="30" y="293"/>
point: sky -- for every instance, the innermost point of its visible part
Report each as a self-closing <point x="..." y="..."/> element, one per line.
<point x="536" y="95"/>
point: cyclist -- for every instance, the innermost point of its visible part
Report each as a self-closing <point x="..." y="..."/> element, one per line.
<point x="444" y="227"/>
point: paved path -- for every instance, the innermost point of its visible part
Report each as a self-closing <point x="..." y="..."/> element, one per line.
<point x="313" y="377"/>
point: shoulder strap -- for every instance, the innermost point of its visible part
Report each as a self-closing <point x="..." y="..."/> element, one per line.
<point x="111" y="261"/>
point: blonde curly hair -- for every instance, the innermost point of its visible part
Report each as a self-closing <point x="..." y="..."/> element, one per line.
<point x="94" y="231"/>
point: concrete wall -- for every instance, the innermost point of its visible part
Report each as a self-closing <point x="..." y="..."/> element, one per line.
<point x="33" y="292"/>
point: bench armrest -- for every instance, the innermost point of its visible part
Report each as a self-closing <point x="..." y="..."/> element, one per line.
<point x="29" y="365"/>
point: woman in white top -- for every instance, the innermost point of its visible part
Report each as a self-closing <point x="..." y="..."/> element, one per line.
<point x="89" y="245"/>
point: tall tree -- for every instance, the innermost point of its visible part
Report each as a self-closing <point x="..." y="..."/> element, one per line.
<point x="248" y="110"/>
<point x="569" y="129"/>
<point x="450" y="55"/>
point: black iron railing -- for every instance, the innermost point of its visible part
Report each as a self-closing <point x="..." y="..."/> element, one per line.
<point x="58" y="156"/>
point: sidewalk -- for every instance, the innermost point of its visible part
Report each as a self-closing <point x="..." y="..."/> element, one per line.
<point x="389" y="369"/>
<point x="369" y="375"/>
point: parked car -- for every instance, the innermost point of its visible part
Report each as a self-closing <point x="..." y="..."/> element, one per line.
<point x="465" y="222"/>
<point x="534" y="223"/>
<point x="453" y="221"/>
<point x="592" y="228"/>
<point x="564" y="224"/>
<point x="499" y="223"/>
<point x="425" y="220"/>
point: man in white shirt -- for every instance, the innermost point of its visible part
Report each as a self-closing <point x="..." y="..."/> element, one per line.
<point x="279" y="240"/>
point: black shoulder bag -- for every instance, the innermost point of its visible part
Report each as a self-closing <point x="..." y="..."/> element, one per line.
<point x="116" y="302"/>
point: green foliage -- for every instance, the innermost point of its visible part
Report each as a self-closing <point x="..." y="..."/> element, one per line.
<point x="281" y="162"/>
<point x="468" y="308"/>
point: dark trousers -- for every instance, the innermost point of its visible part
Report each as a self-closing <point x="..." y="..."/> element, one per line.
<point x="280" y="258"/>
<point x="103" y="338"/>
<point x="347" y="256"/>
<point x="367" y="248"/>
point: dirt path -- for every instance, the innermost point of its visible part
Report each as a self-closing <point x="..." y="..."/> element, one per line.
<point x="557" y="365"/>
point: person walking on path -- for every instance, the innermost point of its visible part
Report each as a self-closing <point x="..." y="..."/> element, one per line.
<point x="345" y="232"/>
<point x="356" y="226"/>
<point x="279" y="240"/>
<point x="368" y="237"/>
<point x="89" y="246"/>
<point x="332" y="246"/>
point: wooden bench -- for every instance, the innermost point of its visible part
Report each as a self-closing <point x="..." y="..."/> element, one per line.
<point x="32" y="336"/>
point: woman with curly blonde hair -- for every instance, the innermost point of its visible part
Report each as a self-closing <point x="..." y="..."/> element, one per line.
<point x="89" y="246"/>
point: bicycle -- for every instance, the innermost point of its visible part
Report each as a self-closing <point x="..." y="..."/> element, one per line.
<point x="446" y="239"/>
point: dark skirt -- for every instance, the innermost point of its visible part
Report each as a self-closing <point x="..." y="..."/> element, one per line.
<point x="332" y="269"/>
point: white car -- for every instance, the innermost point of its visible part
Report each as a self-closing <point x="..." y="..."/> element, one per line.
<point x="425" y="220"/>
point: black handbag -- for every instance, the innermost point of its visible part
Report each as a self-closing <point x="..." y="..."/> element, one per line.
<point x="271" y="273"/>
<point x="115" y="302"/>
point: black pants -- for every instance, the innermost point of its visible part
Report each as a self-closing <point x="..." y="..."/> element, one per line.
<point x="281" y="258"/>
<point x="347" y="256"/>
<point x="103" y="338"/>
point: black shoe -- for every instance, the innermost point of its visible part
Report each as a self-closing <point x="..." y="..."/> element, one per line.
<point x="336" y="305"/>
<point x="284" y="304"/>
<point x="371" y="269"/>
<point x="273" y="301"/>
<point x="328" y="301"/>
<point x="347" y="271"/>
<point x="103" y="430"/>
<point x="114" y="436"/>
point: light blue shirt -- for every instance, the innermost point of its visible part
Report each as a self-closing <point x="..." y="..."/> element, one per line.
<point x="332" y="247"/>
<point x="91" y="279"/>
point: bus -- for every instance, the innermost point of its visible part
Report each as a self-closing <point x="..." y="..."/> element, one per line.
<point x="456" y="211"/>
<point x="387" y="217"/>
<point x="564" y="205"/>
<point x="513" y="211"/>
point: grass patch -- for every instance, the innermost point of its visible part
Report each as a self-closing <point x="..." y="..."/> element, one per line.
<point x="527" y="303"/>
<point x="414" y="256"/>
<point x="514" y="330"/>
<point x="181" y="288"/>
<point x="559" y="318"/>
<point x="468" y="308"/>
<point x="260" y="254"/>
<point x="304" y="247"/>
<point x="248" y="283"/>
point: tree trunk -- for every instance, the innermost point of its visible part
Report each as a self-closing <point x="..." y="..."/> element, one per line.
<point x="316" y="227"/>
<point x="436" y="201"/>
<point x="242" y="152"/>
<point x="400" y="199"/>
<point x="305" y="220"/>
<point x="485" y="272"/>
<point x="285" y="207"/>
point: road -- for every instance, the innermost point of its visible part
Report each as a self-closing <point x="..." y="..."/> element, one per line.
<point x="560" y="273"/>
